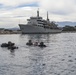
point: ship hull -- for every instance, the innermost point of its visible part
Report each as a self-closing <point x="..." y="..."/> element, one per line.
<point x="31" y="29"/>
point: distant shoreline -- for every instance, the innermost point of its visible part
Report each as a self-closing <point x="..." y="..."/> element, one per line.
<point x="19" y="32"/>
<point x="68" y="32"/>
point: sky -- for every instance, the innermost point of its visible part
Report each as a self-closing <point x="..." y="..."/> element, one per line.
<point x="13" y="12"/>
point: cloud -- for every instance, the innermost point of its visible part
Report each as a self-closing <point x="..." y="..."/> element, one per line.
<point x="16" y="2"/>
<point x="59" y="6"/>
<point x="33" y="4"/>
<point x="14" y="11"/>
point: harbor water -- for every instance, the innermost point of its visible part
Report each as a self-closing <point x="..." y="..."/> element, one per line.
<point x="58" y="58"/>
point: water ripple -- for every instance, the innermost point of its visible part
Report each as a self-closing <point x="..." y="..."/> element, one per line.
<point x="58" y="58"/>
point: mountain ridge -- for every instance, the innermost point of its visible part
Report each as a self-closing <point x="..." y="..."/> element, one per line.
<point x="64" y="23"/>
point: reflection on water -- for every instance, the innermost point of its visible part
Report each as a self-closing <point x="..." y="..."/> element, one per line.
<point x="39" y="37"/>
<point x="58" y="58"/>
<point x="12" y="52"/>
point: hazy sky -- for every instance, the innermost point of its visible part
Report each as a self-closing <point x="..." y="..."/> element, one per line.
<point x="13" y="12"/>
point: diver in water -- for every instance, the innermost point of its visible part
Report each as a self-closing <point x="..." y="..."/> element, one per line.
<point x="36" y="44"/>
<point x="29" y="43"/>
<point x="42" y="44"/>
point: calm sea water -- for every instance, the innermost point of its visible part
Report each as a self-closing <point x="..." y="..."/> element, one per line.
<point x="58" y="58"/>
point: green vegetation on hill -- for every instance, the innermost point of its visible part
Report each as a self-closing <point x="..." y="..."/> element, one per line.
<point x="69" y="28"/>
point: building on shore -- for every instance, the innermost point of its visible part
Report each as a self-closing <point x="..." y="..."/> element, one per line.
<point x="1" y="30"/>
<point x="9" y="31"/>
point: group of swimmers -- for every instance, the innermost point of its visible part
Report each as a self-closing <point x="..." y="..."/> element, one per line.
<point x="30" y="43"/>
<point x="9" y="45"/>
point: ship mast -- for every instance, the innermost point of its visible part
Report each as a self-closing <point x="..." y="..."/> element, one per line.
<point x="38" y="13"/>
<point x="47" y="16"/>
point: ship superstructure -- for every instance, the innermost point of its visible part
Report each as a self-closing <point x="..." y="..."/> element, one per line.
<point x="39" y="25"/>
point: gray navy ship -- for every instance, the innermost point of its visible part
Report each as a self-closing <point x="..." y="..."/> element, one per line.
<point x="38" y="25"/>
